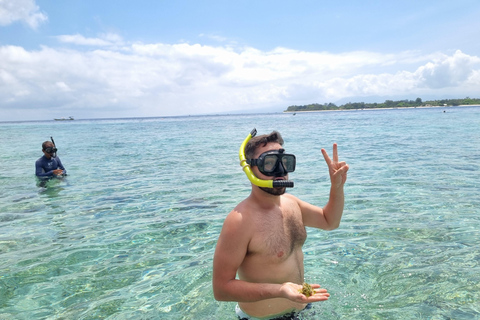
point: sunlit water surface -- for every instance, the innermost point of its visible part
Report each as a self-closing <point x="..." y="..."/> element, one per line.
<point x="131" y="232"/>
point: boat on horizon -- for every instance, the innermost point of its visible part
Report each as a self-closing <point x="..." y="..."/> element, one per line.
<point x="64" y="119"/>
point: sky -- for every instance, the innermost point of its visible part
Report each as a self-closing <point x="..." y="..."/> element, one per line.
<point x="153" y="58"/>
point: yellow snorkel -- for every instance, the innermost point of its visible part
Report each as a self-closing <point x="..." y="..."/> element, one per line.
<point x="248" y="170"/>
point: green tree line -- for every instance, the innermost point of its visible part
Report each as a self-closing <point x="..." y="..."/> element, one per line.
<point x="387" y="104"/>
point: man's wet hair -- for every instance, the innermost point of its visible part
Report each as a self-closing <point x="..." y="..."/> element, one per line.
<point x="262" y="141"/>
<point x="44" y="145"/>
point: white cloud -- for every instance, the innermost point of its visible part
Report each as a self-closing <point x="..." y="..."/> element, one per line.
<point x="164" y="79"/>
<point x="21" y="10"/>
<point x="448" y="71"/>
<point x="103" y="40"/>
<point x="213" y="37"/>
<point x="63" y="86"/>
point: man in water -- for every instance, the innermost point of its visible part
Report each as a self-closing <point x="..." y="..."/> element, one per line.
<point x="49" y="165"/>
<point x="262" y="237"/>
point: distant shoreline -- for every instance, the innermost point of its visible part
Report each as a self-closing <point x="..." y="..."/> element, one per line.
<point x="229" y="114"/>
<point x="373" y="109"/>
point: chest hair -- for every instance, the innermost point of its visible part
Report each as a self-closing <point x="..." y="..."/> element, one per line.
<point x="281" y="232"/>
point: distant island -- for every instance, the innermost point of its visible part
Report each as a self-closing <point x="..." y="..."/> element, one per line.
<point x="388" y="104"/>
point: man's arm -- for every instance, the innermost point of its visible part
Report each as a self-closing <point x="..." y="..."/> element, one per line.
<point x="229" y="254"/>
<point x="328" y="217"/>
<point x="60" y="166"/>
<point x="40" y="172"/>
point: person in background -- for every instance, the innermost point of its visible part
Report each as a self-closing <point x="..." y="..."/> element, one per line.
<point x="262" y="237"/>
<point x="49" y="165"/>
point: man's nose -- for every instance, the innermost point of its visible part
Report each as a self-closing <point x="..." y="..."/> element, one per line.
<point x="281" y="171"/>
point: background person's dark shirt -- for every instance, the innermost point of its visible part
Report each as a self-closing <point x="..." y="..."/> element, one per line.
<point x="44" y="167"/>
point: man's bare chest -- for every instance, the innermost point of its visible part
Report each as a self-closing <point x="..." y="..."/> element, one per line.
<point x="277" y="236"/>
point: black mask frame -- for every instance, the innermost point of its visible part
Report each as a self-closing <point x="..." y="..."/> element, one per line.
<point x="274" y="163"/>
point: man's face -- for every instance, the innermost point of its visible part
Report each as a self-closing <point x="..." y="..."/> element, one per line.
<point x="273" y="191"/>
<point x="48" y="147"/>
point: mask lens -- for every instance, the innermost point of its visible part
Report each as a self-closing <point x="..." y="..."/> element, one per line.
<point x="50" y="150"/>
<point x="269" y="163"/>
<point x="288" y="161"/>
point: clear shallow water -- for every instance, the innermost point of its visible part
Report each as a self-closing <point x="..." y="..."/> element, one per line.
<point x="130" y="233"/>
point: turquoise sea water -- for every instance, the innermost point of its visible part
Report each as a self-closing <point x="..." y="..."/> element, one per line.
<point x="130" y="233"/>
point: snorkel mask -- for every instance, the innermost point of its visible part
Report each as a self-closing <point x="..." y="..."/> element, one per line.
<point x="269" y="162"/>
<point x="52" y="151"/>
<point x="274" y="163"/>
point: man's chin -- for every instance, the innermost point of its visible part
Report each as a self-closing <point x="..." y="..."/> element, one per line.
<point x="274" y="191"/>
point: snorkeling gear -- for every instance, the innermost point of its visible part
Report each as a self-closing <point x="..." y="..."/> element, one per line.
<point x="274" y="163"/>
<point x="52" y="151"/>
<point x="277" y="165"/>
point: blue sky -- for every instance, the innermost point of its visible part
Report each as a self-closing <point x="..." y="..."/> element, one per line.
<point x="102" y="59"/>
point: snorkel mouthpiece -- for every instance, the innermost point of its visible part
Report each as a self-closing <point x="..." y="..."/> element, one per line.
<point x="248" y="170"/>
<point x="282" y="184"/>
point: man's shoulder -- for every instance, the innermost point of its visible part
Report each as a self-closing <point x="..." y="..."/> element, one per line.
<point x="290" y="197"/>
<point x="40" y="160"/>
<point x="240" y="209"/>
<point x="237" y="223"/>
<point x="242" y="212"/>
<point x="246" y="206"/>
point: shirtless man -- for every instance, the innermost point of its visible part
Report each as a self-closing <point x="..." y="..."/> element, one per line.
<point x="262" y="237"/>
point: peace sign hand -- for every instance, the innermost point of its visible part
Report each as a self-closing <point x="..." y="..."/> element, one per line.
<point x="337" y="170"/>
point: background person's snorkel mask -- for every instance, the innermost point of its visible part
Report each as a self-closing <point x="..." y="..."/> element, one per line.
<point x="52" y="151"/>
<point x="287" y="164"/>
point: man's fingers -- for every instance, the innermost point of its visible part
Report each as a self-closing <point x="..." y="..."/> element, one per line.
<point x="318" y="297"/>
<point x="326" y="157"/>
<point x="343" y="170"/>
<point x="335" y="153"/>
